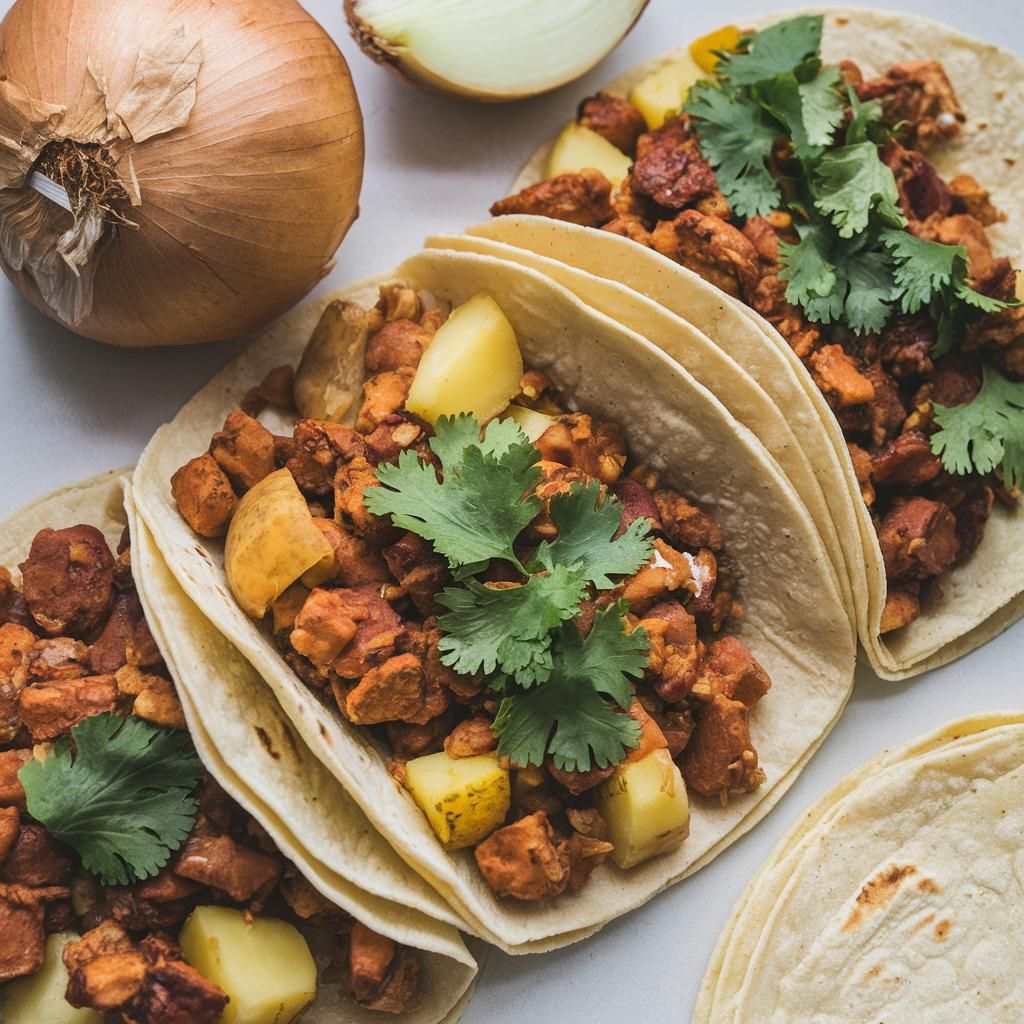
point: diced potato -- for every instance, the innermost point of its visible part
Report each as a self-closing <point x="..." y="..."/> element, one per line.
<point x="531" y="422"/>
<point x="465" y="799"/>
<point x="664" y="91"/>
<point x="271" y="542"/>
<point x="645" y="806"/>
<point x="40" y="998"/>
<point x="706" y="49"/>
<point x="265" y="967"/>
<point x="473" y="364"/>
<point x="578" y="147"/>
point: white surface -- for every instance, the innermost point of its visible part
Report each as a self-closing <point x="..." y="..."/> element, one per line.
<point x="69" y="408"/>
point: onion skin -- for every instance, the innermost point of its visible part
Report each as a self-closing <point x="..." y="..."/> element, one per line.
<point x="381" y="52"/>
<point x="242" y="208"/>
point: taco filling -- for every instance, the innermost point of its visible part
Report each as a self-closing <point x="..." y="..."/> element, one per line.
<point x="132" y="886"/>
<point x="528" y="623"/>
<point x="805" y="190"/>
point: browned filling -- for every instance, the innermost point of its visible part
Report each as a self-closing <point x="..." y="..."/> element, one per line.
<point x="366" y="638"/>
<point x="74" y="643"/>
<point x="881" y="387"/>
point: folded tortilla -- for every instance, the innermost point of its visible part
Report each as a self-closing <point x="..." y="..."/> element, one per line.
<point x="896" y="897"/>
<point x="977" y="600"/>
<point x="795" y="622"/>
<point x="268" y="770"/>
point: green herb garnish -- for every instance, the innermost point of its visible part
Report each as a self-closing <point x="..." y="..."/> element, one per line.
<point x="124" y="800"/>
<point x="986" y="433"/>
<point x="855" y="263"/>
<point x="556" y="685"/>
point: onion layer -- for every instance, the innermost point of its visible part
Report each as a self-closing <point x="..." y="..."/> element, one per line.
<point x="211" y="152"/>
<point x="487" y="50"/>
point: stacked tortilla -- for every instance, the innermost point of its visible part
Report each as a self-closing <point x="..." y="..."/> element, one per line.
<point x="897" y="897"/>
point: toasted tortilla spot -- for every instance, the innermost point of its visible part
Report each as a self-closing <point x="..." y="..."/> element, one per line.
<point x="877" y="892"/>
<point x="942" y="930"/>
<point x="268" y="746"/>
<point x="929" y="885"/>
<point x="926" y="920"/>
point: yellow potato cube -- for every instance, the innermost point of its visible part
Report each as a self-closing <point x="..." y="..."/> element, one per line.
<point x="664" y="91"/>
<point x="578" y="147"/>
<point x="465" y="799"/>
<point x="39" y="998"/>
<point x="645" y="806"/>
<point x="265" y="966"/>
<point x="531" y="422"/>
<point x="473" y="364"/>
<point x="706" y="49"/>
<point x="271" y="542"/>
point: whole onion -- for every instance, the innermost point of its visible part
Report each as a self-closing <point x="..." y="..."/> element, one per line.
<point x="211" y="152"/>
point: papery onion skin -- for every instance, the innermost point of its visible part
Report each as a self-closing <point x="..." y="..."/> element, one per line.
<point x="399" y="59"/>
<point x="242" y="208"/>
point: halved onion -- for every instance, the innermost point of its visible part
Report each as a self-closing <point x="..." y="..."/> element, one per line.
<point x="491" y="51"/>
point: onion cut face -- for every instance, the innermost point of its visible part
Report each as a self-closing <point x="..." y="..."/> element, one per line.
<point x="491" y="51"/>
<point x="211" y="152"/>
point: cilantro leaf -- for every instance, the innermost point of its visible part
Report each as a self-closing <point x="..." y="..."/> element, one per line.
<point x="865" y="119"/>
<point x="821" y="106"/>
<point x="737" y="136"/>
<point x="608" y="654"/>
<point x="484" y="502"/>
<point x="834" y="279"/>
<point x="986" y="433"/>
<point x="780" y="96"/>
<point x="934" y="276"/>
<point x="124" y="801"/>
<point x="811" y="275"/>
<point x="923" y="268"/>
<point x="773" y="51"/>
<point x="503" y="439"/>
<point x="966" y="294"/>
<point x="869" y="294"/>
<point x="568" y="717"/>
<point x="488" y="629"/>
<point x="584" y="542"/>
<point x="849" y="183"/>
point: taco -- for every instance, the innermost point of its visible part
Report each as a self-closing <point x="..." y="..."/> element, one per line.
<point x="141" y="876"/>
<point x="830" y="226"/>
<point x="880" y="898"/>
<point x="519" y="581"/>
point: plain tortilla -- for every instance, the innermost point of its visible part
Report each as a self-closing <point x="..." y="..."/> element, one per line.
<point x="290" y="794"/>
<point x="975" y="601"/>
<point x="794" y="622"/>
<point x="945" y="811"/>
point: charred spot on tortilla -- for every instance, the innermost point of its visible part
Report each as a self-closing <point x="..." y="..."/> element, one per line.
<point x="877" y="892"/>
<point x="268" y="745"/>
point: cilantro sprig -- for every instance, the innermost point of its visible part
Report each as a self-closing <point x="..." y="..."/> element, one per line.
<point x="770" y="126"/>
<point x="569" y="717"/>
<point x="987" y="433"/>
<point x="484" y="502"/>
<point x="124" y="800"/>
<point x="563" y="694"/>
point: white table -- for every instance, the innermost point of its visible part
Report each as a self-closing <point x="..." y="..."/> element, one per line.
<point x="70" y="408"/>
